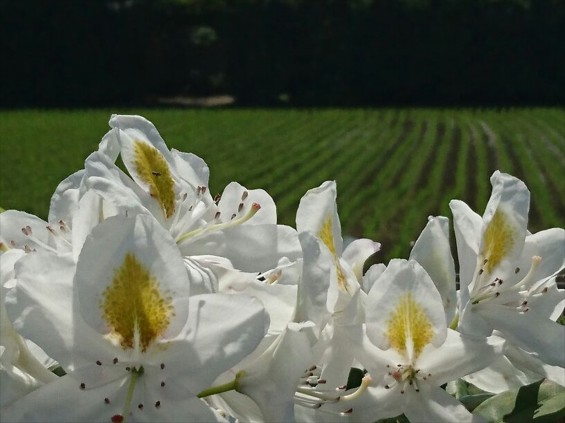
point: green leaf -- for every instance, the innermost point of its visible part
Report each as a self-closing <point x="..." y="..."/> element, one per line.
<point x="539" y="402"/>
<point x="398" y="419"/>
<point x="473" y="401"/>
<point x="59" y="371"/>
<point x="354" y="378"/>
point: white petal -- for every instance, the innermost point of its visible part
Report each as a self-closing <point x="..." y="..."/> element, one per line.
<point x="132" y="127"/>
<point x="357" y="252"/>
<point x="191" y="168"/>
<point x="317" y="213"/>
<point x="550" y="246"/>
<point x="110" y="145"/>
<point x="271" y="381"/>
<point x="374" y="359"/>
<point x="314" y="283"/>
<point x="529" y="362"/>
<point x="210" y="344"/>
<point x="375" y="403"/>
<point x="88" y="214"/>
<point x="15" y="384"/>
<point x="203" y="274"/>
<point x="473" y="323"/>
<point x="73" y="404"/>
<point x="250" y="248"/>
<point x="405" y="282"/>
<point x="371" y="275"/>
<point x="41" y="307"/>
<point x="499" y="376"/>
<point x="533" y="333"/>
<point x="107" y="251"/>
<point x="433" y="404"/>
<point x="237" y="200"/>
<point x="112" y="184"/>
<point x="433" y="252"/>
<point x="238" y="406"/>
<point x="279" y="300"/>
<point x="64" y="200"/>
<point x="546" y="299"/>
<point x="505" y="226"/>
<point x="459" y="355"/>
<point x="28" y="232"/>
<point x="338" y="358"/>
<point x="467" y="225"/>
<point x="7" y="263"/>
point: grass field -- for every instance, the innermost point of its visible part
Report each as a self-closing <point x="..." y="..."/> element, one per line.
<point x="393" y="167"/>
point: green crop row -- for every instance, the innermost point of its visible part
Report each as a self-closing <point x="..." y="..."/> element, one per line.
<point x="393" y="167"/>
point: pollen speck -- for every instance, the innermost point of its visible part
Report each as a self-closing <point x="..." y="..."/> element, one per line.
<point x="134" y="301"/>
<point x="409" y="327"/>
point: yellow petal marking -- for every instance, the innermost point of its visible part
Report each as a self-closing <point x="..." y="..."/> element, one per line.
<point x="134" y="302"/>
<point x="409" y="329"/>
<point x="327" y="237"/>
<point x="499" y="240"/>
<point x="153" y="169"/>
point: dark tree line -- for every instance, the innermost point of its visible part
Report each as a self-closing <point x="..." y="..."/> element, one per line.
<point x="299" y="52"/>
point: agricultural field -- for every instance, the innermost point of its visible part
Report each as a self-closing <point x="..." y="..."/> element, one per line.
<point x="393" y="167"/>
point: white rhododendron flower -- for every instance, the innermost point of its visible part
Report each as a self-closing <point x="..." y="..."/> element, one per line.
<point x="508" y="275"/>
<point x="409" y="352"/>
<point x="122" y="324"/>
<point x="173" y="187"/>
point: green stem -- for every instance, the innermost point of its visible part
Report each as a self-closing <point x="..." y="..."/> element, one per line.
<point x="454" y="322"/>
<point x="135" y="373"/>
<point x="230" y="386"/>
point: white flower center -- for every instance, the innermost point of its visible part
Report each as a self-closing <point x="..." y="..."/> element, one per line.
<point x="405" y="375"/>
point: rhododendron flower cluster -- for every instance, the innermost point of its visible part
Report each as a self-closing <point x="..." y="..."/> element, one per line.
<point x="145" y="298"/>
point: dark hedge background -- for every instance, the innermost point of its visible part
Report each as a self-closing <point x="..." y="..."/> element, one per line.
<point x="85" y="53"/>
